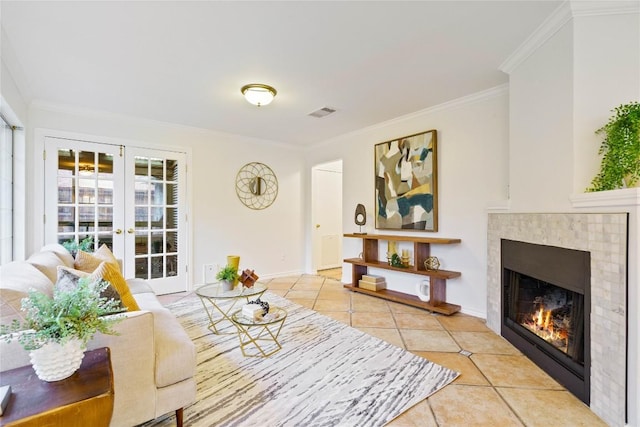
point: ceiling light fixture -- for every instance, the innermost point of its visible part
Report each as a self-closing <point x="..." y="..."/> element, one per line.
<point x="258" y="94"/>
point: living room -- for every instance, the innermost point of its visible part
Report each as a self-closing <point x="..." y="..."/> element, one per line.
<point x="524" y="145"/>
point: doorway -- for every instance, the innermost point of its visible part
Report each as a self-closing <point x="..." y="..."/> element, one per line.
<point x="130" y="199"/>
<point x="326" y="207"/>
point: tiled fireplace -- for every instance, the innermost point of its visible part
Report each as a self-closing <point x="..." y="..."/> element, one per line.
<point x="600" y="240"/>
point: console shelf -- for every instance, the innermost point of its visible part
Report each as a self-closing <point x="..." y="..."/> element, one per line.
<point x="421" y="251"/>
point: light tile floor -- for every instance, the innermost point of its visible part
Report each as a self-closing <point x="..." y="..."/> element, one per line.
<point x="498" y="386"/>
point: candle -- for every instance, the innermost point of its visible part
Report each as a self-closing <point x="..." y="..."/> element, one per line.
<point x="405" y="253"/>
<point x="391" y="247"/>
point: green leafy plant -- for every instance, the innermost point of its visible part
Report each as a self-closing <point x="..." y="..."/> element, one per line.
<point x="74" y="246"/>
<point x="228" y="274"/>
<point x="620" y="166"/>
<point x="76" y="313"/>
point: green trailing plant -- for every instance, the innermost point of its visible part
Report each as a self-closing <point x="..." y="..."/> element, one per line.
<point x="228" y="274"/>
<point x="74" y="246"/>
<point x="620" y="166"/>
<point x="76" y="313"/>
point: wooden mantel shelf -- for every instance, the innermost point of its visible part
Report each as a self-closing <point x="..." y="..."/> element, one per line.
<point x="421" y="251"/>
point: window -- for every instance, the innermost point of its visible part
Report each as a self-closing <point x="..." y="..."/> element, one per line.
<point x="6" y="192"/>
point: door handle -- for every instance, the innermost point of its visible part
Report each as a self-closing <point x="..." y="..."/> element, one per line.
<point x="131" y="231"/>
<point x="118" y="231"/>
<point x="317" y="225"/>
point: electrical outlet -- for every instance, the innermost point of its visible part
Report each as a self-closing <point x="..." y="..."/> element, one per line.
<point x="209" y="272"/>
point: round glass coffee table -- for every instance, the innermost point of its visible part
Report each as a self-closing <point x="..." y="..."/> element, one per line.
<point x="223" y="302"/>
<point x="261" y="334"/>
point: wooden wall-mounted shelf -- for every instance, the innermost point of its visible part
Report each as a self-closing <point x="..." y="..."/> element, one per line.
<point x="421" y="251"/>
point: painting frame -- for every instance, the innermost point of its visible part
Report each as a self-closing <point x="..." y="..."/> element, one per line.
<point x="406" y="183"/>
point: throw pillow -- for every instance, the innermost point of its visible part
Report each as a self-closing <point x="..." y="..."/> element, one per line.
<point x="111" y="273"/>
<point x="68" y="279"/>
<point x="88" y="262"/>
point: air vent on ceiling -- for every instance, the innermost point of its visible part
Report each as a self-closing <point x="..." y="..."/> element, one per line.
<point x="324" y="111"/>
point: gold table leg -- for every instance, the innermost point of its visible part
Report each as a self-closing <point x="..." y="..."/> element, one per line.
<point x="264" y="334"/>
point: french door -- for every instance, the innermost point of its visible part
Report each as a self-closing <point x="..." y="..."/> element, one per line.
<point x="130" y="199"/>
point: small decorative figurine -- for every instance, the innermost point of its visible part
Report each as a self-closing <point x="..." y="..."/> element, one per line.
<point x="432" y="263"/>
<point x="248" y="278"/>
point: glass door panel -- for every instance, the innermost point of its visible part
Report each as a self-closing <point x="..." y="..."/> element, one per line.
<point x="156" y="212"/>
<point x="84" y="176"/>
<point x="132" y="202"/>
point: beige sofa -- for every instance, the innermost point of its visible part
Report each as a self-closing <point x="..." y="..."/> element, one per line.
<point x="153" y="359"/>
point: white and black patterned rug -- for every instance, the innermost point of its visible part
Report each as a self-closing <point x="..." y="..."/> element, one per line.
<point x="327" y="374"/>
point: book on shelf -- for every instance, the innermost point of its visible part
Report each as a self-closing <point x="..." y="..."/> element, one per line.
<point x="372" y="278"/>
<point x="371" y="286"/>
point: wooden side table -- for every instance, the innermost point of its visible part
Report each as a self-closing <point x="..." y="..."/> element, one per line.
<point x="83" y="399"/>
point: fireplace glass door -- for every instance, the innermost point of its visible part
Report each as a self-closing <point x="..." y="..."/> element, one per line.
<point x="551" y="313"/>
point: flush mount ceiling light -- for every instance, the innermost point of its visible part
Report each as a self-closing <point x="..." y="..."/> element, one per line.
<point x="258" y="94"/>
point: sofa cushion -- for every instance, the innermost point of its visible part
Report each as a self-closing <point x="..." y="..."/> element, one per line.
<point x="89" y="262"/>
<point x="16" y="279"/>
<point x="110" y="272"/>
<point x="68" y="280"/>
<point x="64" y="255"/>
<point x="47" y="262"/>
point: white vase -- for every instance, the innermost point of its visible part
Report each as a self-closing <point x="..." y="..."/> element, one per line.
<point x="226" y="285"/>
<point x="55" y="362"/>
<point x="422" y="290"/>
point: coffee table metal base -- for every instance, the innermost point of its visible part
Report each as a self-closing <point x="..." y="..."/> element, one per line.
<point x="259" y="339"/>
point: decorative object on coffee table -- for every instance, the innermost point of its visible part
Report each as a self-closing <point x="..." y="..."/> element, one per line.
<point x="248" y="278"/>
<point x="56" y="330"/>
<point x="227" y="276"/>
<point x="234" y="261"/>
<point x="432" y="263"/>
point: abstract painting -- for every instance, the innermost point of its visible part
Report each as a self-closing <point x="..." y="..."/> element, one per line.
<point x="406" y="184"/>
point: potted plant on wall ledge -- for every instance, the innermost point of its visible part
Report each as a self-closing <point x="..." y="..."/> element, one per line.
<point x="620" y="166"/>
<point x="56" y="330"/>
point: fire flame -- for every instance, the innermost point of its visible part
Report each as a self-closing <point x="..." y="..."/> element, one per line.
<point x="542" y="324"/>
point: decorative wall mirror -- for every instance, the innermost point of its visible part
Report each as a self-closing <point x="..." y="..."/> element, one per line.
<point x="256" y="185"/>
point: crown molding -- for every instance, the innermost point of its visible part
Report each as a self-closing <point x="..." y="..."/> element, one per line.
<point x="611" y="7"/>
<point x="540" y="35"/>
<point x="558" y="19"/>
<point x="483" y="95"/>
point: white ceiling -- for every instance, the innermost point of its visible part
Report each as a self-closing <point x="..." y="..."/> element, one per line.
<point x="184" y="62"/>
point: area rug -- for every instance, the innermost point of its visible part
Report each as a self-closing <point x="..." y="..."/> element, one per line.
<point x="326" y="374"/>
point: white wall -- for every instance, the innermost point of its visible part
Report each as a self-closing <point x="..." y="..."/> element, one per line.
<point x="606" y="74"/>
<point x="268" y="240"/>
<point x="541" y="127"/>
<point x="472" y="171"/>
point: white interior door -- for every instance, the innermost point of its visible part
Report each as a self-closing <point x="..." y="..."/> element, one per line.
<point x="131" y="199"/>
<point x="156" y="218"/>
<point x="83" y="193"/>
<point x="327" y="214"/>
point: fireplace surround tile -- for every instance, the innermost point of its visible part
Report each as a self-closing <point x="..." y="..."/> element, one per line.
<point x="604" y="235"/>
